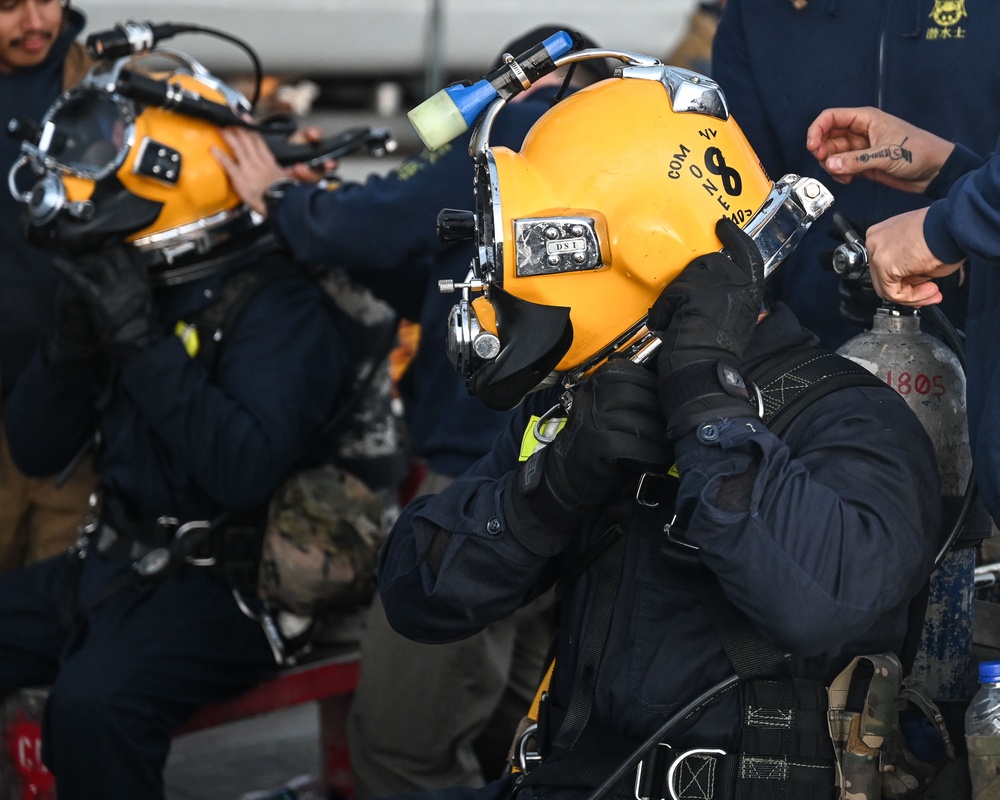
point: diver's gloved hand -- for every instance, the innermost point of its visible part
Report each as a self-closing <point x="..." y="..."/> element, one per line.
<point x="116" y="290"/>
<point x="615" y="428"/>
<point x="706" y="317"/>
<point x="74" y="337"/>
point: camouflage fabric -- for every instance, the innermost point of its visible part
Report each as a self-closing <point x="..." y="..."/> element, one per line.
<point x="873" y="759"/>
<point x="984" y="766"/>
<point x="371" y="445"/>
<point x="859" y="734"/>
<point x="904" y="776"/>
<point x="324" y="530"/>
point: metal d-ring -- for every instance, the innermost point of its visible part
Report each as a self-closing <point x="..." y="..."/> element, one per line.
<point x="543" y="420"/>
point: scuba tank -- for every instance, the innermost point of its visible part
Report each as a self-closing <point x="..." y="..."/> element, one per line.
<point x="930" y="377"/>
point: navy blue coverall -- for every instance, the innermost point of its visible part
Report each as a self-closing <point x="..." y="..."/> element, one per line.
<point x="180" y="441"/>
<point x="820" y="538"/>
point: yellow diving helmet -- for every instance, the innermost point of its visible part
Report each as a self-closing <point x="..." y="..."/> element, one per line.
<point x="115" y="169"/>
<point x="614" y="191"/>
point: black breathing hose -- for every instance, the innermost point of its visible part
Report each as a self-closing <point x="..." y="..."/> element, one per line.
<point x="661" y="733"/>
<point x="940" y="322"/>
<point x="133" y="38"/>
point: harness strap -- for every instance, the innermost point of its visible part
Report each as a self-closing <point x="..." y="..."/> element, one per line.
<point x="791" y="381"/>
<point x="594" y="639"/>
<point x="788" y="383"/>
<point x="150" y="563"/>
<point x="786" y="754"/>
<point x="751" y="655"/>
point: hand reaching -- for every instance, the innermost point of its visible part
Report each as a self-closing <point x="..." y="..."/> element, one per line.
<point x="251" y="168"/>
<point x="876" y="145"/>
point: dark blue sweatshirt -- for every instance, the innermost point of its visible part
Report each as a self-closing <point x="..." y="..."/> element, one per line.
<point x="780" y="67"/>
<point x="177" y="438"/>
<point x="966" y="224"/>
<point x="383" y="232"/>
<point x="834" y="536"/>
<point x="27" y="277"/>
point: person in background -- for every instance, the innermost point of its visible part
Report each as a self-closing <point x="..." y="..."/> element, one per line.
<point x="781" y="62"/>
<point x="694" y="50"/>
<point x="137" y="627"/>
<point x="39" y="59"/>
<point x="911" y="253"/>
<point x="424" y="716"/>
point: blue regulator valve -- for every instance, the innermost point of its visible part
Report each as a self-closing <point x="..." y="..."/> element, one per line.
<point x="452" y="111"/>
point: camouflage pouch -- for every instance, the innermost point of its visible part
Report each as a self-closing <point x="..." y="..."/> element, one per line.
<point x="875" y="760"/>
<point x="324" y="530"/>
<point x="984" y="766"/>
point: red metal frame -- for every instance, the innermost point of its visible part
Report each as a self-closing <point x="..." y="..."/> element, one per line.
<point x="330" y="681"/>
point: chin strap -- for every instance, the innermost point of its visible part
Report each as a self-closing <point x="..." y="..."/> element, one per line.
<point x="163" y="273"/>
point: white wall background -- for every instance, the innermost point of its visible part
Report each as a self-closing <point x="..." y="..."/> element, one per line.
<point x="340" y="37"/>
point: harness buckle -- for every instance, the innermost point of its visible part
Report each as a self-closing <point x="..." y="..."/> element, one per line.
<point x="701" y="778"/>
<point x="698" y="780"/>
<point x="527" y="757"/>
<point x="648" y="491"/>
<point x="652" y="767"/>
<point x="185" y="529"/>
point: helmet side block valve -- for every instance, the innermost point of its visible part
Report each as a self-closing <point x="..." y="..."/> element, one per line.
<point x="455" y="225"/>
<point x="156" y="160"/>
<point x="448" y="286"/>
<point x="552" y="245"/>
<point x="850" y="260"/>
<point x="468" y="343"/>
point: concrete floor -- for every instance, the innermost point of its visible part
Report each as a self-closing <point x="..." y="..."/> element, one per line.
<point x="263" y="752"/>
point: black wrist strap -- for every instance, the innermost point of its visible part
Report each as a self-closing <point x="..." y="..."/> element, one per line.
<point x="545" y="524"/>
<point x="701" y="378"/>
<point x="700" y="392"/>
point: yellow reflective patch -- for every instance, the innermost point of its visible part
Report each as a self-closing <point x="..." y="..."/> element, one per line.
<point x="673" y="471"/>
<point x="530" y="443"/>
<point x="188" y="334"/>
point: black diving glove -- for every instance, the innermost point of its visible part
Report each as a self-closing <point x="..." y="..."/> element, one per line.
<point x="615" y="425"/>
<point x="116" y="290"/>
<point x="74" y="337"/>
<point x="705" y="318"/>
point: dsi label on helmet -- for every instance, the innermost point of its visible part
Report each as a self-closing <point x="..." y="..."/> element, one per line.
<point x="550" y="245"/>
